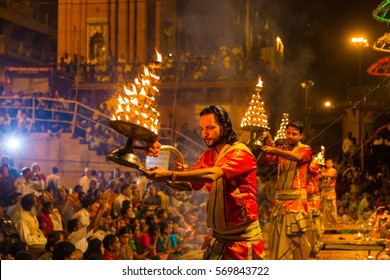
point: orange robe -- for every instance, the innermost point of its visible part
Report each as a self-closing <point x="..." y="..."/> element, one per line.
<point x="232" y="211"/>
<point x="289" y="210"/>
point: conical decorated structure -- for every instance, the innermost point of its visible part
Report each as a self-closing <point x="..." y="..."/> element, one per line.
<point x="136" y="103"/>
<point x="320" y="157"/>
<point x="255" y="119"/>
<point x="281" y="134"/>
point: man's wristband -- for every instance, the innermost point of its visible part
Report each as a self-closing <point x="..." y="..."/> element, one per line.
<point x="173" y="177"/>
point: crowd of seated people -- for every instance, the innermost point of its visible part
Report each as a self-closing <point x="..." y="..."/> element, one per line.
<point x="52" y="114"/>
<point x="226" y="63"/>
<point x="115" y="217"/>
<point x="36" y="112"/>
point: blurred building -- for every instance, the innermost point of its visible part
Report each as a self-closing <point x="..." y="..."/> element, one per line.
<point x="28" y="37"/>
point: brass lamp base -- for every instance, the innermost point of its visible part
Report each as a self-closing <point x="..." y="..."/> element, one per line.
<point x="133" y="131"/>
<point x="255" y="144"/>
<point x="124" y="156"/>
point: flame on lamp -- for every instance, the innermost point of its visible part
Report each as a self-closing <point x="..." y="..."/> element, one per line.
<point x="260" y="83"/>
<point x="136" y="101"/>
<point x="255" y="118"/>
<point x="159" y="56"/>
<point x="281" y="134"/>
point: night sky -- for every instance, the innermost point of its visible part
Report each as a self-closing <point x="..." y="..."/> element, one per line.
<point x="318" y="34"/>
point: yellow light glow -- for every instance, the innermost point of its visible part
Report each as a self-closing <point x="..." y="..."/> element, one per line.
<point x="359" y="41"/>
<point x="159" y="56"/>
<point x="260" y="83"/>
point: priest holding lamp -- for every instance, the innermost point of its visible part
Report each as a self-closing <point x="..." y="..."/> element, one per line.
<point x="227" y="169"/>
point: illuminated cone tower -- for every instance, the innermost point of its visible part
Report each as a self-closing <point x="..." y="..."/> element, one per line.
<point x="255" y="120"/>
<point x="281" y="134"/>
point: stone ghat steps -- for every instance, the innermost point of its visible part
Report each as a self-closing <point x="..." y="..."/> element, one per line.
<point x="65" y="152"/>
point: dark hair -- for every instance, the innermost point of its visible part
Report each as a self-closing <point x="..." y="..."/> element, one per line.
<point x="163" y="226"/>
<point x="222" y="119"/>
<point x="124" y="187"/>
<point x="28" y="202"/>
<point x="126" y="205"/>
<point x="133" y="227"/>
<point x="25" y="255"/>
<point x="123" y="230"/>
<point x="93" y="250"/>
<point x="52" y="239"/>
<point x="108" y="241"/>
<point x="297" y="124"/>
<point x="72" y="224"/>
<point x="153" y="226"/>
<point x="55" y="170"/>
<point x="16" y="247"/>
<point x="46" y="207"/>
<point x="150" y="218"/>
<point x="78" y="188"/>
<point x="63" y="250"/>
<point x="52" y="187"/>
<point x="86" y="202"/>
<point x="12" y="196"/>
<point x="160" y="212"/>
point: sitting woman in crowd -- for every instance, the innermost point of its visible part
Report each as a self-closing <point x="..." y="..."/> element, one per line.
<point x="95" y="250"/>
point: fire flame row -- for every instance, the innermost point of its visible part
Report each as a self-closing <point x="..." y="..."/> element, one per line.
<point x="137" y="103"/>
<point x="255" y="115"/>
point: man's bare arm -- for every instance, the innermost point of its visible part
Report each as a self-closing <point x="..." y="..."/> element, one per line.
<point x="282" y="153"/>
<point x="200" y="175"/>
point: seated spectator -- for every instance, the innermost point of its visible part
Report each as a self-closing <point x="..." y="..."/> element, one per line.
<point x="59" y="104"/>
<point x="64" y="250"/>
<point x="343" y="217"/>
<point x="127" y="214"/>
<point x="25" y="255"/>
<point x="53" y="177"/>
<point x="45" y="222"/>
<point x="7" y="181"/>
<point x="79" y="233"/>
<point x="151" y="199"/>
<point x="124" y="195"/>
<point x="55" y="128"/>
<point x="24" y="122"/>
<point x="36" y="170"/>
<point x="52" y="239"/>
<point x="94" y="141"/>
<point x="126" y="252"/>
<point x="112" y="247"/>
<point x="89" y="210"/>
<point x="28" y="183"/>
<point x="14" y="248"/>
<point x="353" y="205"/>
<point x="95" y="250"/>
<point x="5" y="121"/>
<point x="27" y="224"/>
<point x="364" y="210"/>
